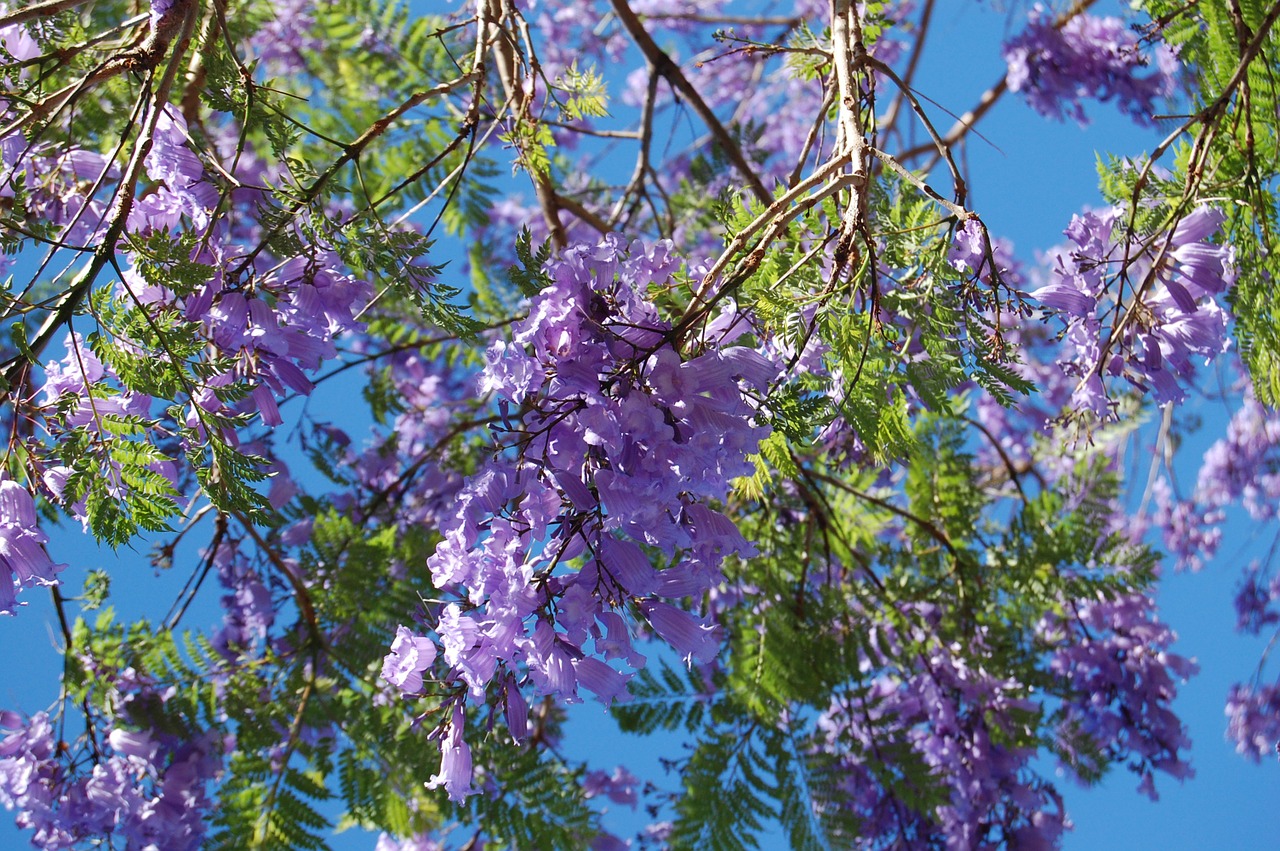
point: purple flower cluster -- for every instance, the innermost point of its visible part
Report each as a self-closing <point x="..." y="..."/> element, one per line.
<point x="23" y="560"/>
<point x="1241" y="467"/>
<point x="275" y="323"/>
<point x="434" y="398"/>
<point x="248" y="609"/>
<point x="611" y="449"/>
<point x="80" y="391"/>
<point x="146" y="790"/>
<point x="455" y="759"/>
<point x="620" y="786"/>
<point x="284" y="329"/>
<point x="1113" y="655"/>
<point x="55" y="179"/>
<point x="85" y="390"/>
<point x="282" y="41"/>
<point x="1110" y="687"/>
<point x="1162" y="288"/>
<point x="1253" y="719"/>
<point x="1255" y="609"/>
<point x="967" y="727"/>
<point x="181" y="189"/>
<point x="1057" y="67"/>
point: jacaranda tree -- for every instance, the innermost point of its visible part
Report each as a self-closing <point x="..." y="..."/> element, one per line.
<point x="693" y="382"/>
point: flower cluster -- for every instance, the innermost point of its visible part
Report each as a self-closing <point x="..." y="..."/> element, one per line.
<point x="285" y="329"/>
<point x="962" y="725"/>
<point x="181" y="189"/>
<point x="611" y="448"/>
<point x="1240" y="467"/>
<point x="1056" y="67"/>
<point x="23" y="560"/>
<point x="248" y="609"/>
<point x="1114" y="657"/>
<point x="146" y="789"/>
<point x="409" y="458"/>
<point x="1110" y="689"/>
<point x="1163" y="290"/>
<point x="1253" y="719"/>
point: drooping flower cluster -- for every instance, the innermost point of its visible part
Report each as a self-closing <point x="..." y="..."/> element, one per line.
<point x="273" y="331"/>
<point x="1241" y="467"/>
<point x="1057" y="67"/>
<point x="54" y="178"/>
<point x="1256" y="601"/>
<point x="248" y="609"/>
<point x="23" y="560"/>
<point x="611" y="443"/>
<point x="1110" y="684"/>
<point x="306" y="302"/>
<point x="181" y="189"/>
<point x="1161" y="289"/>
<point x="1253" y="719"/>
<point x="961" y="725"/>
<point x="1114" y="655"/>
<point x="408" y="461"/>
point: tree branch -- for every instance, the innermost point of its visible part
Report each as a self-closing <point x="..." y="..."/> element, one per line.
<point x="671" y="72"/>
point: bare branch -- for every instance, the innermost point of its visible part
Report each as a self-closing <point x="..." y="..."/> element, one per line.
<point x="671" y="72"/>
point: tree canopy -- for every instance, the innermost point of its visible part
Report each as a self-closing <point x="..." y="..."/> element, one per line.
<point x="671" y="364"/>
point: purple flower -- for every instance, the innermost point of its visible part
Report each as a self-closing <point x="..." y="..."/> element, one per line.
<point x="1088" y="56"/>
<point x="410" y="655"/>
<point x="455" y="761"/>
<point x="133" y="744"/>
<point x="1064" y="294"/>
<point x="23" y="560"/>
<point x="688" y="635"/>
<point x="601" y="680"/>
<point x="619" y="787"/>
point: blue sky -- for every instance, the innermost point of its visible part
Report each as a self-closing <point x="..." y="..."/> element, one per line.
<point x="1026" y="181"/>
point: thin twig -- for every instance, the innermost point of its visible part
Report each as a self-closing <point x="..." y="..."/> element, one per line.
<point x="671" y="72"/>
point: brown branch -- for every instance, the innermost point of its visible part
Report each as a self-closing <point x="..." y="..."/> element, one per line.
<point x="575" y="208"/>
<point x="777" y="212"/>
<point x="144" y="56"/>
<point x="643" y="166"/>
<point x="38" y="10"/>
<point x="509" y="62"/>
<point x="965" y="123"/>
<point x="849" y="57"/>
<point x="944" y="150"/>
<point x="670" y="71"/>
<point x="350" y="152"/>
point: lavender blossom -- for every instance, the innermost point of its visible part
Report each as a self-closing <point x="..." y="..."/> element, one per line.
<point x="410" y="655"/>
<point x="1087" y="57"/>
<point x="23" y="560"/>
<point x="1167" y="286"/>
<point x="455" y="761"/>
